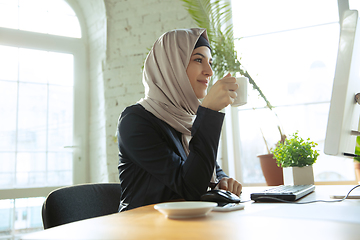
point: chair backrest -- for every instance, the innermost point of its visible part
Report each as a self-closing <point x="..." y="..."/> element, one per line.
<point x="74" y="203"/>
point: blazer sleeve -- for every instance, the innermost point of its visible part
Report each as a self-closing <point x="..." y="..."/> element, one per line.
<point x="219" y="172"/>
<point x="152" y="147"/>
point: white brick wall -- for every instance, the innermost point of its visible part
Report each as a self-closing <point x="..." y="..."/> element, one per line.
<point x="117" y="49"/>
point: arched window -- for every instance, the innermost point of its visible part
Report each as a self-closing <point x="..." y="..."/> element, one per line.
<point x="42" y="88"/>
<point x="54" y="17"/>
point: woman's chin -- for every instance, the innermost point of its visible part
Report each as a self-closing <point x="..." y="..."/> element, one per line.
<point x="201" y="95"/>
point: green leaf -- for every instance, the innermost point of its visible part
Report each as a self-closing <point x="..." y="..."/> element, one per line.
<point x="216" y="16"/>
<point x="295" y="152"/>
<point x="357" y="148"/>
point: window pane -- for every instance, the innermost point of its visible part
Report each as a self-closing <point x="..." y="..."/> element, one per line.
<point x="32" y="122"/>
<point x="59" y="168"/>
<point x="40" y="5"/>
<point x="251" y="123"/>
<point x="6" y="220"/>
<point x="9" y="63"/>
<point x="64" y="25"/>
<point x="28" y="215"/>
<point x="63" y="75"/>
<point x="54" y="17"/>
<point x="31" y="169"/>
<point x="7" y="169"/>
<point x="291" y="67"/>
<point x="9" y="14"/>
<point x="258" y="16"/>
<point x="33" y="65"/>
<point x="60" y="7"/>
<point x="33" y="19"/>
<point x="36" y="101"/>
<point x="38" y="122"/>
<point x="8" y="106"/>
<point x="354" y="4"/>
<point x="60" y="118"/>
<point x="292" y="59"/>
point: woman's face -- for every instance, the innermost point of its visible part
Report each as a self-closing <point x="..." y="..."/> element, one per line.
<point x="199" y="70"/>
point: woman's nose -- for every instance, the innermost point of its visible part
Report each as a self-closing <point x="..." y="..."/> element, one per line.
<point x="208" y="70"/>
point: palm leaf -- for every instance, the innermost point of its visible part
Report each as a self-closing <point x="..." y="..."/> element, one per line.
<point x="215" y="16"/>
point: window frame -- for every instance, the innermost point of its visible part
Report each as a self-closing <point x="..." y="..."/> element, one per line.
<point x="77" y="47"/>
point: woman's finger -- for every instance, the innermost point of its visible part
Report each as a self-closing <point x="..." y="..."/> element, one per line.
<point x="223" y="184"/>
<point x="232" y="94"/>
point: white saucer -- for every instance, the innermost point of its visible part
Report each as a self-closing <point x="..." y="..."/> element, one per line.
<point x="185" y="209"/>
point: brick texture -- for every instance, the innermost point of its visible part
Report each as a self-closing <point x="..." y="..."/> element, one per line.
<point x="120" y="34"/>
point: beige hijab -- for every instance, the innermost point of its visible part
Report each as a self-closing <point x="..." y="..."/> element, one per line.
<point x="168" y="92"/>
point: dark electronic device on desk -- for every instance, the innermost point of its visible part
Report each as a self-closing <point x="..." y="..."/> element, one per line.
<point x="283" y="192"/>
<point x="226" y="200"/>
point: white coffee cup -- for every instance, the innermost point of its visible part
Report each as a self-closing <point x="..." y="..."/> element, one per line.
<point x="241" y="98"/>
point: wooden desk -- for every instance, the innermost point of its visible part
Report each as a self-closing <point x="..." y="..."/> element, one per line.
<point x="256" y="221"/>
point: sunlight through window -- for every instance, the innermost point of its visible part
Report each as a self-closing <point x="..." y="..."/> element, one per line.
<point x="54" y="17"/>
<point x="37" y="102"/>
<point x="290" y="50"/>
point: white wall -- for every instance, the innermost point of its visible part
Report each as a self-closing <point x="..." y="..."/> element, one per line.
<point x="120" y="33"/>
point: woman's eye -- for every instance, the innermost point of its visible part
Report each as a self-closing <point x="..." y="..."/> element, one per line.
<point x="198" y="60"/>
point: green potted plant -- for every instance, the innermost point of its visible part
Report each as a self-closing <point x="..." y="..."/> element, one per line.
<point x="215" y="16"/>
<point x="357" y="159"/>
<point x="296" y="156"/>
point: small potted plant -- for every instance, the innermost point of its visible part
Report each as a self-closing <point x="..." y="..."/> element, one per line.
<point x="357" y="159"/>
<point x="296" y="156"/>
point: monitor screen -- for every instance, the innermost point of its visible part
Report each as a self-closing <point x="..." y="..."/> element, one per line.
<point x="343" y="120"/>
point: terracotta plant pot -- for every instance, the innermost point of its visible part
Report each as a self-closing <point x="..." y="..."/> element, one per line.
<point x="357" y="170"/>
<point x="272" y="173"/>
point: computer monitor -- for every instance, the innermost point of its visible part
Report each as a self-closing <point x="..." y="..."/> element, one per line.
<point x="343" y="120"/>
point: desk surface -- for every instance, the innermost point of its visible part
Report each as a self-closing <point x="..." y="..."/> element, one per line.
<point x="256" y="221"/>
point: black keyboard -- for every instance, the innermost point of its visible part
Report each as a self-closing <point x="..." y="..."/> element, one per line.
<point x="283" y="192"/>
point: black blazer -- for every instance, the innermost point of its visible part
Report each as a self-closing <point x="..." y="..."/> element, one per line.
<point x="153" y="166"/>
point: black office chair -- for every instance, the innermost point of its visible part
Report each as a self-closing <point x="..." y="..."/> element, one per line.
<point x="74" y="203"/>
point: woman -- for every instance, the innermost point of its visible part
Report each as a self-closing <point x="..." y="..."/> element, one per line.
<point x="168" y="141"/>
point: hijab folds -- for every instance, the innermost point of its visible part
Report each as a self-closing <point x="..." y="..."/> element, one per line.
<point x="168" y="92"/>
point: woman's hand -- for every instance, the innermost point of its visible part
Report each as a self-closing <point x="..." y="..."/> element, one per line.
<point x="221" y="94"/>
<point x="231" y="185"/>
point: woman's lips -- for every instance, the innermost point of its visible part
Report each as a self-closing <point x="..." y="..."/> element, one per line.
<point x="205" y="82"/>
